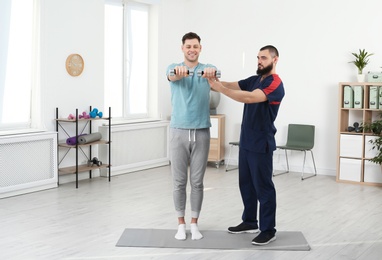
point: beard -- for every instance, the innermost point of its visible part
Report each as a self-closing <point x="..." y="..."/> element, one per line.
<point x="264" y="70"/>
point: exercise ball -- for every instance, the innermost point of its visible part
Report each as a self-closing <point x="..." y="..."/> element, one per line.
<point x="214" y="102"/>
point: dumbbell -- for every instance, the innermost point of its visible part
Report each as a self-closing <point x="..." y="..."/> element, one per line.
<point x="189" y="72"/>
<point x="94" y="161"/>
<point x="84" y="115"/>
<point x="356" y="127"/>
<point x="94" y="113"/>
<point x="217" y="73"/>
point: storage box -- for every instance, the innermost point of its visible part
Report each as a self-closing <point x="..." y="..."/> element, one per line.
<point x="374" y="97"/>
<point x="373" y="172"/>
<point x="374" y="77"/>
<point x="351" y="146"/>
<point x="350" y="169"/>
<point x="348" y="97"/>
<point x="369" y="151"/>
<point x="358" y="97"/>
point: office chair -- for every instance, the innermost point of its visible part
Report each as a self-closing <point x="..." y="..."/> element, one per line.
<point x="300" y="138"/>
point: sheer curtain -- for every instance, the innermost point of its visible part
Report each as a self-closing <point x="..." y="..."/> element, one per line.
<point x="20" y="105"/>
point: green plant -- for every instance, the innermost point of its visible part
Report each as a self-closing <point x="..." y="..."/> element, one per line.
<point x="375" y="127"/>
<point x="361" y="59"/>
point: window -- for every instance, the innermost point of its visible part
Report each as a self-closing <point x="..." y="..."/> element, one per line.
<point x="16" y="63"/>
<point x="127" y="58"/>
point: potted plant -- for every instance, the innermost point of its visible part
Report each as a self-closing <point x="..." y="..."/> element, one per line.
<point x="375" y="127"/>
<point x="361" y="60"/>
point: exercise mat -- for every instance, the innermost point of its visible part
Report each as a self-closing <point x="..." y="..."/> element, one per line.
<point x="212" y="239"/>
<point x="85" y="139"/>
<point x="73" y="140"/>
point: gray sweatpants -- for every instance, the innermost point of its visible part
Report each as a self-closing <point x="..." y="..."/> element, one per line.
<point x="188" y="148"/>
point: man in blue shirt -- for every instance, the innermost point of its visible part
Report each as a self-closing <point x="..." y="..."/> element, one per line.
<point x="261" y="95"/>
<point x="189" y="131"/>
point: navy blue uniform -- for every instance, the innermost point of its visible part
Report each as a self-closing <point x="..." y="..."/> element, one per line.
<point x="257" y="143"/>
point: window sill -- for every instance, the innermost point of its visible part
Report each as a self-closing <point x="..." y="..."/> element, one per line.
<point x="134" y="121"/>
<point x="21" y="131"/>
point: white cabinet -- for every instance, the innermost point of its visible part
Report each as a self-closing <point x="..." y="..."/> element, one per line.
<point x="217" y="132"/>
<point x="28" y="163"/>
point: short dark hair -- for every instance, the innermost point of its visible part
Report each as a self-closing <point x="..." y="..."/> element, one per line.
<point x="272" y="50"/>
<point x="190" y="36"/>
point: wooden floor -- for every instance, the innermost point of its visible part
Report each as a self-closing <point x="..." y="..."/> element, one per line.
<point x="340" y="221"/>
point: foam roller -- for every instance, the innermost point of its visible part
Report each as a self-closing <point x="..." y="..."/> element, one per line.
<point x="73" y="140"/>
<point x="85" y="139"/>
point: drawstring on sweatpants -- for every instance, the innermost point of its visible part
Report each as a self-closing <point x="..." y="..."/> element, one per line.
<point x="189" y="135"/>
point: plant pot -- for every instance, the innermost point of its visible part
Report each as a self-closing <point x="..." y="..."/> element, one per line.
<point x="361" y="77"/>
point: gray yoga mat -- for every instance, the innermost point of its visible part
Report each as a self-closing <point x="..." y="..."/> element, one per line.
<point x="85" y="139"/>
<point x="164" y="238"/>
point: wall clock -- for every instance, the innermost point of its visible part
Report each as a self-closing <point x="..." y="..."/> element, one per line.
<point x="74" y="65"/>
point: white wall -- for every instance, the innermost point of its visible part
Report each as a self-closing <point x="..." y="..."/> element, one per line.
<point x="71" y="26"/>
<point x="314" y="39"/>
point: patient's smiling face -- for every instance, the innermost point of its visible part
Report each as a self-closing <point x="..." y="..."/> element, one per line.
<point x="191" y="49"/>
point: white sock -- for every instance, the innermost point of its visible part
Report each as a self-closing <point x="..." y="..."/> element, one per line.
<point x="181" y="234"/>
<point x="196" y="235"/>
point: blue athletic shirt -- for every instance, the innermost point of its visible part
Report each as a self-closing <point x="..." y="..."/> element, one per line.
<point x="257" y="128"/>
<point x="190" y="100"/>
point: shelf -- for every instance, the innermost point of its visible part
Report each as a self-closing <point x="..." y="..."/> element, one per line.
<point x="351" y="133"/>
<point x="81" y="168"/>
<point x="81" y="119"/>
<point x="71" y="128"/>
<point x="87" y="144"/>
<point x="353" y="149"/>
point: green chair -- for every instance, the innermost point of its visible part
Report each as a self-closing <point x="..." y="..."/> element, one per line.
<point x="300" y="138"/>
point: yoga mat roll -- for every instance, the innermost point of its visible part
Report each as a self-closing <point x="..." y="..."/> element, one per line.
<point x="73" y="140"/>
<point x="85" y="139"/>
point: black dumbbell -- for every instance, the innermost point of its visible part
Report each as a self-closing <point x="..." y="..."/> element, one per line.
<point x="356" y="128"/>
<point x="189" y="72"/>
<point x="217" y="73"/>
<point x="94" y="161"/>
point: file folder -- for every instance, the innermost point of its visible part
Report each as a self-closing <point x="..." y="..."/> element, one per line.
<point x="358" y="97"/>
<point x="374" y="97"/>
<point x="348" y="97"/>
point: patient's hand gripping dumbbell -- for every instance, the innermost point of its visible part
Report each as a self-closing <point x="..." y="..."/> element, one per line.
<point x="217" y="73"/>
<point x="189" y="72"/>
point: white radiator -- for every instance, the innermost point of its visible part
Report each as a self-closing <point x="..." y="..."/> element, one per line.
<point x="28" y="163"/>
<point x="136" y="146"/>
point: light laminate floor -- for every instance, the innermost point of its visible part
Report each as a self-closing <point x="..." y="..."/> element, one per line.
<point x="340" y="221"/>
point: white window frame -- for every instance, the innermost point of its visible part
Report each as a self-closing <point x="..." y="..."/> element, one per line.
<point x="152" y="67"/>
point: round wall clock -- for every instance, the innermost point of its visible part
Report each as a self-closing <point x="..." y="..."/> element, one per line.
<point x="74" y="65"/>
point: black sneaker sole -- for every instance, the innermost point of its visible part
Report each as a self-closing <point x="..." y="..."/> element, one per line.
<point x="264" y="243"/>
<point x="251" y="231"/>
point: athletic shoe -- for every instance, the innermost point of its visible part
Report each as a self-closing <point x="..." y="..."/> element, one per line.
<point x="264" y="238"/>
<point x="243" y="228"/>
